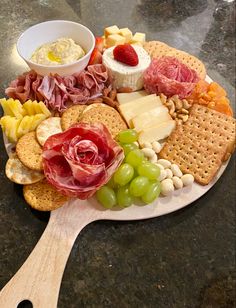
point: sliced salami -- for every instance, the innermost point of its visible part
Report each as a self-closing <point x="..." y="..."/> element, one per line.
<point x="169" y="76"/>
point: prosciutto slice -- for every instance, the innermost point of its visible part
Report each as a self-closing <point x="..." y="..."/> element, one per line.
<point x="78" y="161"/>
<point x="169" y="76"/>
<point x="56" y="91"/>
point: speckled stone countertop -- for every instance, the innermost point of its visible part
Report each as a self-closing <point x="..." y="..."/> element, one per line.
<point x="185" y="259"/>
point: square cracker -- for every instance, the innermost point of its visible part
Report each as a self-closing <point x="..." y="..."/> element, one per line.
<point x="200" y="145"/>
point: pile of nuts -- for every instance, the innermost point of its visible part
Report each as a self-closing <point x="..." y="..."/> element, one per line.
<point x="109" y="96"/>
<point x="178" y="109"/>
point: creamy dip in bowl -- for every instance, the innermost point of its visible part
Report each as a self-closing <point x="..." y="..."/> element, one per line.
<point x="62" y="51"/>
<point x="71" y="55"/>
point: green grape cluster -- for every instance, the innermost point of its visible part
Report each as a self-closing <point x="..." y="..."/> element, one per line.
<point x="136" y="177"/>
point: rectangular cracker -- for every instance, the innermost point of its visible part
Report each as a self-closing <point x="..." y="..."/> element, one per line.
<point x="200" y="145"/>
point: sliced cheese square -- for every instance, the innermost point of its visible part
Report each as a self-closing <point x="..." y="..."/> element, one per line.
<point x="150" y="118"/>
<point x="156" y="133"/>
<point x="115" y="39"/>
<point x="138" y="106"/>
<point x="126" y="33"/>
<point x="124" y="98"/>
<point x="111" y="30"/>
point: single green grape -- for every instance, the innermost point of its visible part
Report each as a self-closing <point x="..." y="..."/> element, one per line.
<point x="135" y="158"/>
<point x="111" y="183"/>
<point x="106" y="196"/>
<point x="139" y="186"/>
<point x="150" y="170"/>
<point x="127" y="147"/>
<point x="123" y="174"/>
<point x="153" y="191"/>
<point x="128" y="136"/>
<point x="124" y="199"/>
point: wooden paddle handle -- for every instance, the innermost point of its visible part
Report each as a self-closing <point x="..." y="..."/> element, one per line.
<point x="39" y="278"/>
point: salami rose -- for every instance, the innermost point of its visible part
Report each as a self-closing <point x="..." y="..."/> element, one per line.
<point x="169" y="76"/>
<point x="78" y="161"/>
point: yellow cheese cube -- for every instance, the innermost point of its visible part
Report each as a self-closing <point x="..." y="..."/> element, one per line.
<point x="115" y="39"/>
<point x="125" y="32"/>
<point x="111" y="30"/>
<point x="139" y="37"/>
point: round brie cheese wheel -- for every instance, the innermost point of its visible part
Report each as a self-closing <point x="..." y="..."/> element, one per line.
<point x="124" y="75"/>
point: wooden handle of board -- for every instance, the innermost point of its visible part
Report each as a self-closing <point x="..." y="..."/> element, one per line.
<point x="39" y="278"/>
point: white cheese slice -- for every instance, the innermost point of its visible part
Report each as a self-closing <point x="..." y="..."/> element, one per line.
<point x="138" y="106"/>
<point x="156" y="133"/>
<point x="124" y="98"/>
<point x="150" y="118"/>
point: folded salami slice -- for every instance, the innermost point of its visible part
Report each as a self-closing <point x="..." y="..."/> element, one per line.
<point x="169" y="76"/>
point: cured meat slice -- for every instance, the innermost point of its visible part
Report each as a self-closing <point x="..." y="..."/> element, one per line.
<point x="56" y="91"/>
<point x="81" y="159"/>
<point x="169" y="76"/>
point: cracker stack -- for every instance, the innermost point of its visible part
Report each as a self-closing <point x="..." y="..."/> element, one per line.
<point x="158" y="49"/>
<point x="200" y="145"/>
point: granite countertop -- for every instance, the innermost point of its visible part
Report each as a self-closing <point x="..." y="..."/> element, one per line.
<point x="184" y="259"/>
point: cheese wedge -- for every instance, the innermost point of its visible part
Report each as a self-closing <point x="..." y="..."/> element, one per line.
<point x="156" y="133"/>
<point x="150" y="118"/>
<point x="138" y="106"/>
<point x="124" y="98"/>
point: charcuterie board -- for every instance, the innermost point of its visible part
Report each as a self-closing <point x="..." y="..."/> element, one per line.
<point x="124" y="139"/>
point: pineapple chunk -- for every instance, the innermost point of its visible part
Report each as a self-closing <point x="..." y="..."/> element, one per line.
<point x="25" y="126"/>
<point x="44" y="109"/>
<point x="6" y="108"/>
<point x="10" y="125"/>
<point x="29" y="107"/>
<point x="13" y="127"/>
<point x="16" y="108"/>
<point x="38" y="118"/>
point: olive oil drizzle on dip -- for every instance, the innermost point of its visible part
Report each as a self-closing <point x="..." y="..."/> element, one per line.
<point x="62" y="51"/>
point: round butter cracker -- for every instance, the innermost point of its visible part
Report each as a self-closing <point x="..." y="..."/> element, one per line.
<point x="29" y="151"/>
<point x="107" y="116"/>
<point x="71" y="116"/>
<point x="20" y="174"/>
<point x="47" y="128"/>
<point x="43" y="197"/>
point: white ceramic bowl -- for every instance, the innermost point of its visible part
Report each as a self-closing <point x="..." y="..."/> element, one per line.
<point x="49" y="31"/>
